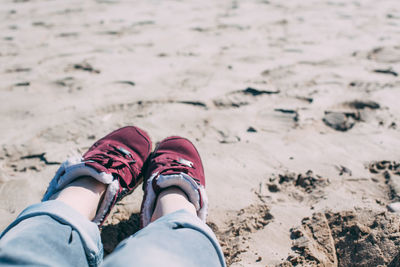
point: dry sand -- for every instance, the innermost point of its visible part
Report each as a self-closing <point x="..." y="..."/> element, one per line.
<point x="293" y="106"/>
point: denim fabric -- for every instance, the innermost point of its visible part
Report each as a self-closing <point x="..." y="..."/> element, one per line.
<point x="53" y="234"/>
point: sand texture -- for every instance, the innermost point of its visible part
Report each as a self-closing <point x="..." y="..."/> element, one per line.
<point x="293" y="106"/>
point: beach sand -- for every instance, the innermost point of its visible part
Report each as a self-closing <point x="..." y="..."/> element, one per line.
<point x="293" y="106"/>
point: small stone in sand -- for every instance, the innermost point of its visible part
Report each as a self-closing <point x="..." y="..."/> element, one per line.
<point x="251" y="130"/>
<point x="338" y="121"/>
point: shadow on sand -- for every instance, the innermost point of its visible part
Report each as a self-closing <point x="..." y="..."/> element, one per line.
<point x="113" y="234"/>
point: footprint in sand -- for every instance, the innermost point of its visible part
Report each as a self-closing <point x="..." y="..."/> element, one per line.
<point x="301" y="187"/>
<point x="234" y="235"/>
<point x="347" y="238"/>
<point x="351" y="238"/>
<point x="344" y="121"/>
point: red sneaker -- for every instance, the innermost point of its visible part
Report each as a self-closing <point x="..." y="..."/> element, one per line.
<point x="174" y="162"/>
<point x="116" y="160"/>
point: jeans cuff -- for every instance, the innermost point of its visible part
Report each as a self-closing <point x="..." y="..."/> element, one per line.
<point x="185" y="219"/>
<point x="64" y="214"/>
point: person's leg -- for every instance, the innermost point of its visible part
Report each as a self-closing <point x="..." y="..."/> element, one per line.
<point x="83" y="195"/>
<point x="173" y="214"/>
<point x="63" y="229"/>
<point x="57" y="232"/>
<point x="170" y="200"/>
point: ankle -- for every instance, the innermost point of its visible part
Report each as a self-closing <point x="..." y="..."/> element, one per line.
<point x="170" y="200"/>
<point x="83" y="194"/>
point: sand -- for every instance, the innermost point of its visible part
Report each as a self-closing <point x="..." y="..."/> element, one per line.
<point x="293" y="106"/>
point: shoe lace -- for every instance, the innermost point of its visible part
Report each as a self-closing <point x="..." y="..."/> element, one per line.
<point x="114" y="157"/>
<point x="178" y="165"/>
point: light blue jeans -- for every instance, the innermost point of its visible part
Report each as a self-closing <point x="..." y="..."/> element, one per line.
<point x="53" y="234"/>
